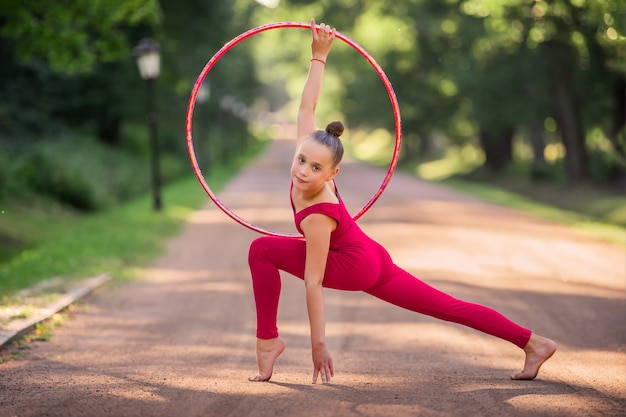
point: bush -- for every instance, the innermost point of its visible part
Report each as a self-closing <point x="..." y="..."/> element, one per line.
<point x="86" y="174"/>
<point x="606" y="167"/>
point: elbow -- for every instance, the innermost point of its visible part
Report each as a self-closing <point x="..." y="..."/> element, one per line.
<point x="312" y="284"/>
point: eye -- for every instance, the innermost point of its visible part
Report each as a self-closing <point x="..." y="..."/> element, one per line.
<point x="316" y="168"/>
<point x="301" y="160"/>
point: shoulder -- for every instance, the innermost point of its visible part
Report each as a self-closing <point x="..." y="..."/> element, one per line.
<point x="317" y="229"/>
<point x="317" y="224"/>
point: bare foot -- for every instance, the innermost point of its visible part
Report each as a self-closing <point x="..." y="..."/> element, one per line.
<point x="538" y="350"/>
<point x="267" y="351"/>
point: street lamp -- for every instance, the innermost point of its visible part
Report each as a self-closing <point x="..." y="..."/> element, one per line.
<point x="148" y="61"/>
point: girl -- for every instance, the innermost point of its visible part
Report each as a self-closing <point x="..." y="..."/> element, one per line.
<point x="336" y="254"/>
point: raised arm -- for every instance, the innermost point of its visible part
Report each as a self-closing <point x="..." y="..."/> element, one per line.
<point x="321" y="43"/>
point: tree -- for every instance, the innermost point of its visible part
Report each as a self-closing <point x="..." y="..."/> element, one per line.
<point x="72" y="36"/>
<point x="574" y="46"/>
<point x="61" y="62"/>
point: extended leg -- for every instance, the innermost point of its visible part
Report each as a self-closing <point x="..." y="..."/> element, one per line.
<point x="406" y="291"/>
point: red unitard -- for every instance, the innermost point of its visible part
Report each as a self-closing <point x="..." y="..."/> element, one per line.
<point x="358" y="263"/>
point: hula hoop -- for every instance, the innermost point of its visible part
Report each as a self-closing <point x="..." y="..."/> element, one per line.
<point x="219" y="54"/>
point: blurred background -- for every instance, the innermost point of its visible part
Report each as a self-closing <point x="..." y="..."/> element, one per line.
<point x="528" y="95"/>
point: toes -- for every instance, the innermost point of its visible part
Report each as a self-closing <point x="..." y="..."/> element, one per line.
<point x="521" y="376"/>
<point x="259" y="378"/>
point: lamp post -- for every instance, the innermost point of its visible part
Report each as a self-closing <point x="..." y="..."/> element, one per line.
<point x="148" y="61"/>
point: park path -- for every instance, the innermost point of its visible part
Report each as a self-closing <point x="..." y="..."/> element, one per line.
<point x="180" y="340"/>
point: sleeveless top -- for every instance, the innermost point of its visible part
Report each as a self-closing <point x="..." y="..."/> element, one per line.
<point x="347" y="233"/>
<point x="355" y="261"/>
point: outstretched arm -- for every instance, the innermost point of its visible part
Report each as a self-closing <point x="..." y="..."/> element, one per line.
<point x="321" y="43"/>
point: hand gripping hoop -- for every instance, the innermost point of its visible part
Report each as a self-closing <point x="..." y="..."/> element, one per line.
<point x="228" y="46"/>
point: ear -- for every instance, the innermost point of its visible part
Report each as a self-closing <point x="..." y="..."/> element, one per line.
<point x="333" y="173"/>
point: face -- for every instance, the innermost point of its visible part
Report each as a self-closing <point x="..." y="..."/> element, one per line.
<point x="312" y="165"/>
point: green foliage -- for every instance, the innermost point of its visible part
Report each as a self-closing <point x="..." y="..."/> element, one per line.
<point x="606" y="168"/>
<point x="57" y="242"/>
<point x="102" y="96"/>
<point x="83" y="173"/>
<point x="548" y="60"/>
<point x="103" y="242"/>
<point x="72" y="36"/>
<point x="462" y="68"/>
<point x="458" y="68"/>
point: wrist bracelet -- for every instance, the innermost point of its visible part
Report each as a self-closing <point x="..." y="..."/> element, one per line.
<point x="317" y="59"/>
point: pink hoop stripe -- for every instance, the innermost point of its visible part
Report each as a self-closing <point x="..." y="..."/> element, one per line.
<point x="219" y="54"/>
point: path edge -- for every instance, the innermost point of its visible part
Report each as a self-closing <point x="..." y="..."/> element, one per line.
<point x="19" y="327"/>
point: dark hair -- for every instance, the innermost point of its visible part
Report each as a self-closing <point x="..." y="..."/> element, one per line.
<point x="330" y="138"/>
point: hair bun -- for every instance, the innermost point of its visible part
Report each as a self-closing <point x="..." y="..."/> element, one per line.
<point x="335" y="128"/>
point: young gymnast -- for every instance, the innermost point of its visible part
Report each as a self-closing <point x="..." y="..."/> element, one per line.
<point x="336" y="254"/>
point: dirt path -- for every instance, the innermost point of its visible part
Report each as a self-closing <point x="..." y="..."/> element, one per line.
<point x="180" y="341"/>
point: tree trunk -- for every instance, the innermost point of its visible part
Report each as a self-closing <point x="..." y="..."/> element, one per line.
<point x="570" y="125"/>
<point x="567" y="111"/>
<point x="498" y="148"/>
<point x="537" y="144"/>
<point x="539" y="170"/>
<point x="619" y="118"/>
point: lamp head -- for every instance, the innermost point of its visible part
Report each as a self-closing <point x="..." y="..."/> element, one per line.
<point x="148" y="53"/>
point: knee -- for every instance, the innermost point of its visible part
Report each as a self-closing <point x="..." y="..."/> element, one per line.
<point x="257" y="248"/>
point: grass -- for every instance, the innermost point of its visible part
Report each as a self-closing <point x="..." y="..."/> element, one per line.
<point x="603" y="219"/>
<point x="42" y="240"/>
<point x="596" y="211"/>
<point x="104" y="242"/>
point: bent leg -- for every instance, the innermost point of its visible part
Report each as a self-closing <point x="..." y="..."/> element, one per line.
<point x="406" y="291"/>
<point x="268" y="255"/>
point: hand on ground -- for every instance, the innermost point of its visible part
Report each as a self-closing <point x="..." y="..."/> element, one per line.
<point x="322" y="364"/>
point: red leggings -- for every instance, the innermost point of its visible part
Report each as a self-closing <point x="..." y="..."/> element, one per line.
<point x="377" y="276"/>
